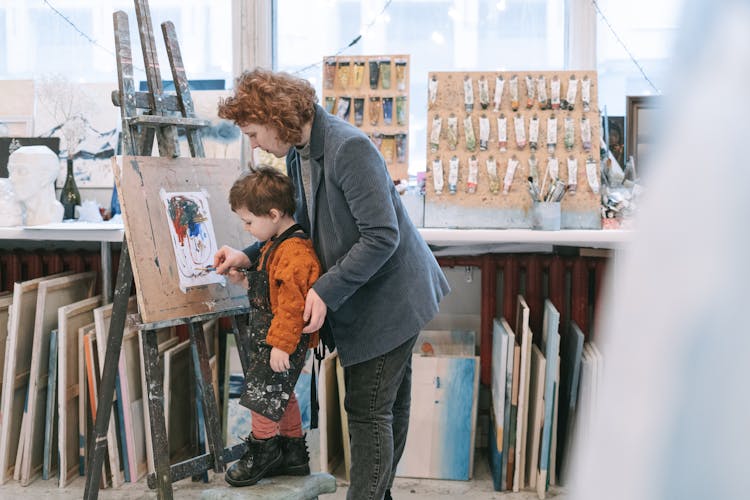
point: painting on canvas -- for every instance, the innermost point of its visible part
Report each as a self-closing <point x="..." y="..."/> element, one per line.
<point x="193" y="237"/>
<point x="85" y="113"/>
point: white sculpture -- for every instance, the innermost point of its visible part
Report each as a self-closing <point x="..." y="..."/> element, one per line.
<point x="33" y="170"/>
<point x="10" y="207"/>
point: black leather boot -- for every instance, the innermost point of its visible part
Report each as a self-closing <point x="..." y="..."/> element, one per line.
<point x="262" y="457"/>
<point x="296" y="459"/>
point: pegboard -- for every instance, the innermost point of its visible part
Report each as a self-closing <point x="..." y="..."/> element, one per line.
<point x="373" y="80"/>
<point x="484" y="208"/>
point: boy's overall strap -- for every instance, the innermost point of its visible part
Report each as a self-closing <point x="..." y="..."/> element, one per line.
<point x="279" y="240"/>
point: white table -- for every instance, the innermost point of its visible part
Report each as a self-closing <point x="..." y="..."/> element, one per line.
<point x="466" y="241"/>
<point x="568" y="237"/>
<point x="105" y="233"/>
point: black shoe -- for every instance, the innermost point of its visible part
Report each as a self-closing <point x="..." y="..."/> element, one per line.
<point x="261" y="458"/>
<point x="388" y="495"/>
<point x="296" y="459"/>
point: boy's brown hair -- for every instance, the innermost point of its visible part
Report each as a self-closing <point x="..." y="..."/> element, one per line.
<point x="277" y="100"/>
<point x="262" y="189"/>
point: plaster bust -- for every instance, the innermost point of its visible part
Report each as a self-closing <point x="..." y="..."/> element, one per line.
<point x="33" y="170"/>
<point x="10" y="207"/>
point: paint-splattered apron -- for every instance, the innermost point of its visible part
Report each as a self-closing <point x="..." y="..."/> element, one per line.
<point x="267" y="392"/>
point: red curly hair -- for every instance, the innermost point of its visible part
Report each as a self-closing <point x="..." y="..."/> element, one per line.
<point x="278" y="100"/>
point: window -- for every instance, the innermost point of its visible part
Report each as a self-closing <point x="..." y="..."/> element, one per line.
<point x="647" y="29"/>
<point x="439" y="35"/>
<point x="37" y="40"/>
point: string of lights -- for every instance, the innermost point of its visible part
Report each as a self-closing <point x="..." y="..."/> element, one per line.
<point x="362" y="33"/>
<point x="630" y="54"/>
<point x="354" y="41"/>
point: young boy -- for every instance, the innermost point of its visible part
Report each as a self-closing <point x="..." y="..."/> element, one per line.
<point x="277" y="285"/>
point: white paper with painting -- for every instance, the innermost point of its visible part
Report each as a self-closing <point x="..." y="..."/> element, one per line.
<point x="193" y="239"/>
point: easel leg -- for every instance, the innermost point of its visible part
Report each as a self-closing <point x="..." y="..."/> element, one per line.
<point x="243" y="346"/>
<point x="156" y="415"/>
<point x="107" y="388"/>
<point x="206" y="395"/>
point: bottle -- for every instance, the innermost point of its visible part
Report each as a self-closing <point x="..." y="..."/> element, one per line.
<point x="70" y="197"/>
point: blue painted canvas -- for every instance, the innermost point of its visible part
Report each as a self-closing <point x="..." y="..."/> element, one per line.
<point x="440" y="442"/>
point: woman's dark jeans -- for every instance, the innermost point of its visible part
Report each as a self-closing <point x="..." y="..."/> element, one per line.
<point x="378" y="398"/>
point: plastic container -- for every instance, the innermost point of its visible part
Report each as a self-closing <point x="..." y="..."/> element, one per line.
<point x="547" y="216"/>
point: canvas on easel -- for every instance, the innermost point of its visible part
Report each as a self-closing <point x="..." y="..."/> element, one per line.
<point x="167" y="204"/>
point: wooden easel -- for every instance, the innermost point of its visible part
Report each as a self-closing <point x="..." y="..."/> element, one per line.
<point x="138" y="131"/>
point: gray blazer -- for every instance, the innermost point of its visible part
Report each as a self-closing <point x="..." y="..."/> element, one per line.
<point x="380" y="281"/>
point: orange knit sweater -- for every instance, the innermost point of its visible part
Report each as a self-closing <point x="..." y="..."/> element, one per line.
<point x="292" y="269"/>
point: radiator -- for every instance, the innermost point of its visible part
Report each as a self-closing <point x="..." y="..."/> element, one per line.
<point x="23" y="264"/>
<point x="572" y="283"/>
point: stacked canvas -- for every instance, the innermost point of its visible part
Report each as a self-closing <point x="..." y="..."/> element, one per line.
<point x="444" y="394"/>
<point x="536" y="400"/>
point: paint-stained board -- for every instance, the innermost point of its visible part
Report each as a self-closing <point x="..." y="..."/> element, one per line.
<point x="444" y="395"/>
<point x="142" y="182"/>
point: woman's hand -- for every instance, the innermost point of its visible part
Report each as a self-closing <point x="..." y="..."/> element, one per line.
<point x="227" y="261"/>
<point x="279" y="360"/>
<point x="315" y="312"/>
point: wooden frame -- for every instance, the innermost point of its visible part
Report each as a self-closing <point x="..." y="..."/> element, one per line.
<point x="71" y="319"/>
<point x="551" y="343"/>
<point x="133" y="402"/>
<point x="179" y="412"/>
<point x="52" y="295"/>
<point x="536" y="415"/>
<point x="92" y="381"/>
<point x="570" y="373"/>
<point x="164" y="345"/>
<point x="102" y="316"/>
<point x="5" y="301"/>
<point x="237" y="419"/>
<point x="139" y="182"/>
<point x="83" y="397"/>
<point x="331" y="441"/>
<point x="345" y="438"/>
<point x="49" y="460"/>
<point x="340" y="87"/>
<point x="522" y="330"/>
<point x="641" y="126"/>
<point x="16" y="371"/>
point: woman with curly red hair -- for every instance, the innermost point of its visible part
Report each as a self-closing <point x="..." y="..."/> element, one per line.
<point x="380" y="283"/>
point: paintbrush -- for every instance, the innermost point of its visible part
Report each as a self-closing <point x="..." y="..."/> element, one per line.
<point x="210" y="269"/>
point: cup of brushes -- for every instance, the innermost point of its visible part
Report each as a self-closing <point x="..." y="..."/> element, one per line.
<point x="546" y="212"/>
